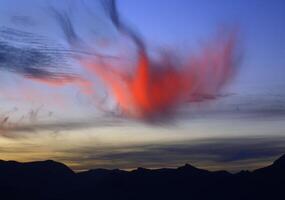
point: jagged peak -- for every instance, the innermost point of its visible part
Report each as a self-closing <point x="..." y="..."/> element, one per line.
<point x="280" y="161"/>
<point x="141" y="169"/>
<point x="188" y="166"/>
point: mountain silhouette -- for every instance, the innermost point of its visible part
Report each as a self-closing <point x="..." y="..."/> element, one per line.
<point x="50" y="180"/>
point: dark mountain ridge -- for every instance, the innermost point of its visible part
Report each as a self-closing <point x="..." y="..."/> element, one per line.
<point x="50" y="180"/>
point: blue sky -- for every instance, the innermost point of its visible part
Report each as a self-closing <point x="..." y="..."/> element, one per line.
<point x="185" y="22"/>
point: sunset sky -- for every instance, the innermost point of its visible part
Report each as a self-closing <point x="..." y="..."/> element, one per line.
<point x="52" y="106"/>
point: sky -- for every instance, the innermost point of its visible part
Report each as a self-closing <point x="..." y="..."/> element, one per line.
<point x="70" y="91"/>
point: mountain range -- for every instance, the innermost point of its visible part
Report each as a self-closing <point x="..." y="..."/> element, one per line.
<point x="50" y="180"/>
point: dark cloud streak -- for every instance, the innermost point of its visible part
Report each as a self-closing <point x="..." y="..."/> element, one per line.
<point x="31" y="55"/>
<point x="212" y="153"/>
<point x="17" y="130"/>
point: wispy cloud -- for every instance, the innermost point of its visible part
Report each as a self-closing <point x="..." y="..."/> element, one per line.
<point x="31" y="55"/>
<point x="212" y="153"/>
<point x="150" y="90"/>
